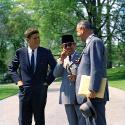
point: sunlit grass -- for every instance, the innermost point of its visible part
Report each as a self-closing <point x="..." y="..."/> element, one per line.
<point x="118" y="84"/>
<point x="7" y="90"/>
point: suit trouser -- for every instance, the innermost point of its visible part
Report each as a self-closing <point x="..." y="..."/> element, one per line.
<point x="74" y="115"/>
<point x="32" y="101"/>
<point x="100" y="110"/>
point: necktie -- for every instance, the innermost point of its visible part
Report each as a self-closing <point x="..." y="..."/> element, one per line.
<point x="70" y="58"/>
<point x="32" y="61"/>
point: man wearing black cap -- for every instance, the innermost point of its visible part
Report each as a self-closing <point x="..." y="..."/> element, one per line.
<point x="32" y="78"/>
<point x="66" y="68"/>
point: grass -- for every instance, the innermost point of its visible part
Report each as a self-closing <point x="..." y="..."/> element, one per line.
<point x="118" y="84"/>
<point x="58" y="79"/>
<point x="116" y="73"/>
<point x="7" y="90"/>
<point x="116" y="77"/>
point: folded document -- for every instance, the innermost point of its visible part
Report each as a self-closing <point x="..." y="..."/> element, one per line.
<point x="84" y="86"/>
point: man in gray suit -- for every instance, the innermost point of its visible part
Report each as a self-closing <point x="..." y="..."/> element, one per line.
<point x="66" y="68"/>
<point x="92" y="63"/>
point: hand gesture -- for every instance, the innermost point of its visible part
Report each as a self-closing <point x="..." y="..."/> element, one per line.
<point x="63" y="55"/>
<point x="72" y="77"/>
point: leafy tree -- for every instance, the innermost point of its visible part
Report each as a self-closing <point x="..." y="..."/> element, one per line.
<point x="55" y="18"/>
<point x="102" y="14"/>
<point x="13" y="22"/>
<point x="4" y="13"/>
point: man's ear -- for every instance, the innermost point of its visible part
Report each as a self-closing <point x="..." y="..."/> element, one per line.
<point x="74" y="45"/>
<point x="82" y="29"/>
<point x="61" y="46"/>
<point x="27" y="39"/>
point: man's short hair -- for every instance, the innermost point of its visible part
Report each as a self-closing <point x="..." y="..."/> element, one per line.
<point x="30" y="31"/>
<point x="85" y="24"/>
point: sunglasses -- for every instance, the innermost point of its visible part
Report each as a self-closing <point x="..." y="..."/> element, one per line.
<point x="65" y="45"/>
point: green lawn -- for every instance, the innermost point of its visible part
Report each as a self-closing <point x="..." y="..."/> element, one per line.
<point x="7" y="90"/>
<point x="116" y="73"/>
<point x="116" y="77"/>
<point x="118" y="84"/>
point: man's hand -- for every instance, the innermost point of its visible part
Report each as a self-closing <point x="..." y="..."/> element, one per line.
<point x="91" y="95"/>
<point x="63" y="55"/>
<point x="20" y="83"/>
<point x="72" y="77"/>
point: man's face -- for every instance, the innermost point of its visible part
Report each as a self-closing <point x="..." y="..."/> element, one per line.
<point x="34" y="41"/>
<point x="69" y="47"/>
<point x="80" y="32"/>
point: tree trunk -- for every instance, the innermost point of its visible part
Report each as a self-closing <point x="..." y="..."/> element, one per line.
<point x="109" y="38"/>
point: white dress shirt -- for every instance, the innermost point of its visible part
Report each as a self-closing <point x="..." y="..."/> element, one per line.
<point x="67" y="61"/>
<point x="30" y="54"/>
<point x="88" y="39"/>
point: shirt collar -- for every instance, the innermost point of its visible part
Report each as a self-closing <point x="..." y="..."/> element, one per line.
<point x="30" y="50"/>
<point x="89" y="37"/>
<point x="72" y="54"/>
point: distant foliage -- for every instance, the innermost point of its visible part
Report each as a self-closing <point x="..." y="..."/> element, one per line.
<point x="57" y="17"/>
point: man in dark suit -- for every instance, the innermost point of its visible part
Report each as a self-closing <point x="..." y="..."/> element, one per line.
<point x="33" y="78"/>
<point x="93" y="63"/>
<point x="66" y="68"/>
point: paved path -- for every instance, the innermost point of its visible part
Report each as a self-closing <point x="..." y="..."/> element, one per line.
<point x="55" y="114"/>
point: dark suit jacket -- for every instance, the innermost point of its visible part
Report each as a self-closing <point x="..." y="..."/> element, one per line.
<point x="41" y="74"/>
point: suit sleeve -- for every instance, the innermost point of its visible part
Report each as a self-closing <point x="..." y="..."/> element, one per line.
<point x="52" y="63"/>
<point x="58" y="71"/>
<point x="96" y="60"/>
<point x="12" y="68"/>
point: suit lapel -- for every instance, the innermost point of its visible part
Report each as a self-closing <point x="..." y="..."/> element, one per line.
<point x="26" y="56"/>
<point x="84" y="50"/>
<point x="89" y="42"/>
<point x="75" y="56"/>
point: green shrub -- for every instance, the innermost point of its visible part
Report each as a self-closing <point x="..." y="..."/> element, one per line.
<point x="116" y="73"/>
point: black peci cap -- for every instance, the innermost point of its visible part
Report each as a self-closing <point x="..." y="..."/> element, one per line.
<point x="67" y="39"/>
